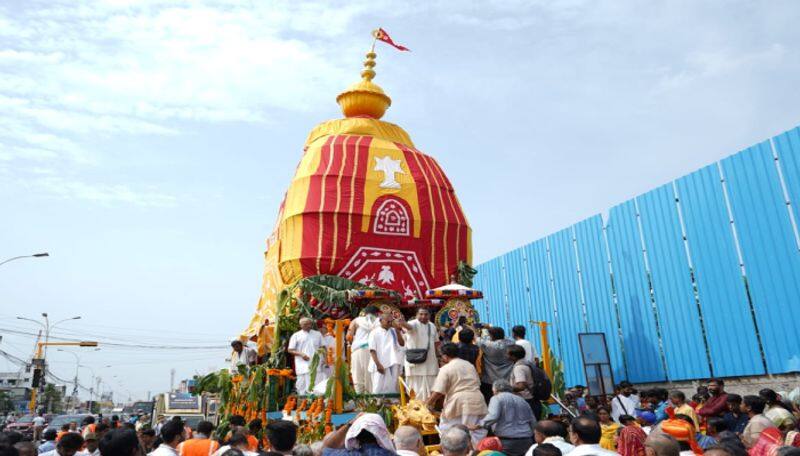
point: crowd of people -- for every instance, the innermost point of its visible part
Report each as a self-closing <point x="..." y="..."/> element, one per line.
<point x="654" y="422"/>
<point x="491" y="395"/>
<point x="491" y="388"/>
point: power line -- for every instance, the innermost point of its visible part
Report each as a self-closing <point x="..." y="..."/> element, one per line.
<point x="116" y="344"/>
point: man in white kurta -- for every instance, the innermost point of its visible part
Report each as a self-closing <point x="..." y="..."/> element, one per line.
<point x="303" y="345"/>
<point x="358" y="333"/>
<point x="386" y="352"/>
<point x="420" y="333"/>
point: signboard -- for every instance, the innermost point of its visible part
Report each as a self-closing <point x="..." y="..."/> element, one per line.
<point x="183" y="401"/>
<point x="596" y="364"/>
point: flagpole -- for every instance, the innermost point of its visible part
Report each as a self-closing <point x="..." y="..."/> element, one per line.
<point x="374" y="40"/>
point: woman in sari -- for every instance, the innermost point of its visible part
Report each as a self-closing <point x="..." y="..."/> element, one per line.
<point x="768" y="443"/>
<point x="631" y="440"/>
<point x="608" y="428"/>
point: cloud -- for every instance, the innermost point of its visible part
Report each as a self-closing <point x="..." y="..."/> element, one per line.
<point x="50" y="185"/>
<point x="71" y="72"/>
<point x="719" y="62"/>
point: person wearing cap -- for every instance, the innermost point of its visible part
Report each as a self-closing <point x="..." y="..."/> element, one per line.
<point x="242" y="355"/>
<point x="91" y="448"/>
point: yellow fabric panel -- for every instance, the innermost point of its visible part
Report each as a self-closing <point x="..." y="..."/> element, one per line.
<point x="408" y="188"/>
<point x="360" y="126"/>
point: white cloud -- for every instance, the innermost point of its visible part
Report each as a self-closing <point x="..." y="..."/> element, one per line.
<point x="50" y="185"/>
<point x="71" y="71"/>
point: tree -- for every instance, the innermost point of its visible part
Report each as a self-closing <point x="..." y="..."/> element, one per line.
<point x="6" y="404"/>
<point x="53" y="399"/>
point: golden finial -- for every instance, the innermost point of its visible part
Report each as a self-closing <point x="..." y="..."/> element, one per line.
<point x="365" y="98"/>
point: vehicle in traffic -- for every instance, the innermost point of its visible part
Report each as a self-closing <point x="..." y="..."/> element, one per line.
<point x="23" y="425"/>
<point x="61" y="420"/>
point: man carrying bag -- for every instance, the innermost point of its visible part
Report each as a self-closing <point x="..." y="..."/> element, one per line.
<point x="421" y="363"/>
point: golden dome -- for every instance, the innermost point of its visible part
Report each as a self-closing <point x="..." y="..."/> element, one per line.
<point x="365" y="98"/>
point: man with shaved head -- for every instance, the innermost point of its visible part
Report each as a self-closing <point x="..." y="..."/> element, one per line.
<point x="385" y="349"/>
<point x="303" y="345"/>
<point x="408" y="441"/>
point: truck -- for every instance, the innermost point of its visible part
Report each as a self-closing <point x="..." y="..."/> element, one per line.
<point x="190" y="408"/>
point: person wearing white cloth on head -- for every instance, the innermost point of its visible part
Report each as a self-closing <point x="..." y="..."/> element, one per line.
<point x="421" y="334"/>
<point x="302" y="345"/>
<point x="366" y="435"/>
<point x="358" y="333"/>
<point x="386" y="350"/>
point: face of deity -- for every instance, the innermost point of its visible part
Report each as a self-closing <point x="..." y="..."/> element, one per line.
<point x="423" y="316"/>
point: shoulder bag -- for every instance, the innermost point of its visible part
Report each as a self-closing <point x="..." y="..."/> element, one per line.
<point x="419" y="355"/>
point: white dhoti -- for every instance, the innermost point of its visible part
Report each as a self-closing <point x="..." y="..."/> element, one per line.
<point x="386" y="382"/>
<point x="468" y="421"/>
<point x="421" y="384"/>
<point x="302" y="383"/>
<point x="359" y="369"/>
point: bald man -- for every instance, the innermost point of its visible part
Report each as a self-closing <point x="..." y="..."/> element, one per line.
<point x="303" y="345"/>
<point x="408" y="441"/>
<point x="386" y="355"/>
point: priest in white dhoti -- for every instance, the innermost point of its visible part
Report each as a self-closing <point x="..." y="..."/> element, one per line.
<point x="386" y="352"/>
<point x="325" y="370"/>
<point x="303" y="345"/>
<point x="421" y="363"/>
<point x="358" y="333"/>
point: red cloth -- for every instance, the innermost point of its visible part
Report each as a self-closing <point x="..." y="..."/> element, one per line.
<point x="768" y="443"/>
<point x="631" y="441"/>
<point x="491" y="444"/>
<point x="714" y="406"/>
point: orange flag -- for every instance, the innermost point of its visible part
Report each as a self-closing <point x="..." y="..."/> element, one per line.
<point x="381" y="35"/>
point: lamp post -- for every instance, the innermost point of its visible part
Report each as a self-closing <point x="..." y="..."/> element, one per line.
<point x="77" y="367"/>
<point x="92" y="388"/>
<point x="35" y="255"/>
<point x="47" y="326"/>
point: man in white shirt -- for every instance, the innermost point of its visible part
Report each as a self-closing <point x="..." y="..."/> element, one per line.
<point x="585" y="433"/>
<point x="624" y="403"/>
<point x="519" y="338"/>
<point x="386" y="350"/>
<point x="172" y="436"/>
<point x="358" y="333"/>
<point x="421" y="334"/>
<point x="38" y="426"/>
<point x="548" y="431"/>
<point x="303" y="345"/>
<point x="242" y="355"/>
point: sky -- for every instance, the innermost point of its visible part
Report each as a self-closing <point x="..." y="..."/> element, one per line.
<point x="146" y="144"/>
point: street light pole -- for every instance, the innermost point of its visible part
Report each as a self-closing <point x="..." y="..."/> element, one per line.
<point x="35" y="255"/>
<point x="77" y="369"/>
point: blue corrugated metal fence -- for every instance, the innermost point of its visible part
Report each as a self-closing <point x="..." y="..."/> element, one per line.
<point x="695" y="278"/>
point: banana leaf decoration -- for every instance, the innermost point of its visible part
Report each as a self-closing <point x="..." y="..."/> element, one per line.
<point x="313" y="367"/>
<point x="465" y="273"/>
